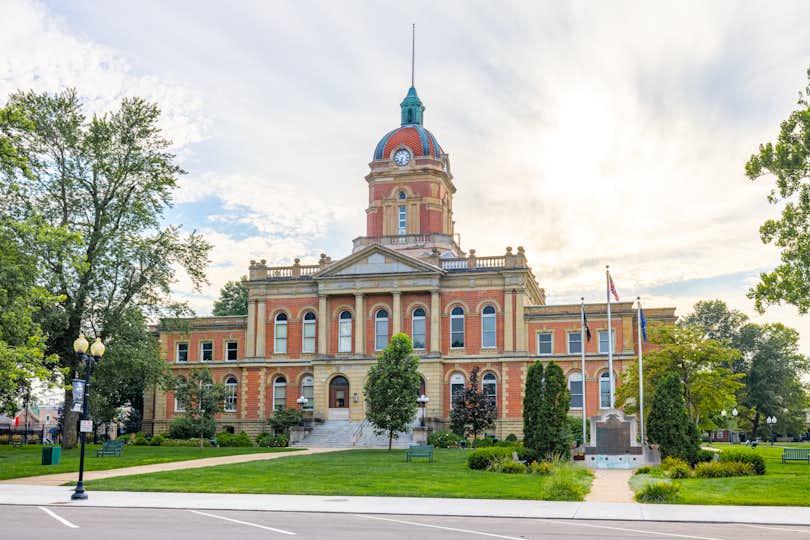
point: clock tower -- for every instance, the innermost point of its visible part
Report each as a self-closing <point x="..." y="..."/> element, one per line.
<point x="410" y="189"/>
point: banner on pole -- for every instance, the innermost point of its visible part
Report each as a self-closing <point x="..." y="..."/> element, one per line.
<point x="78" y="395"/>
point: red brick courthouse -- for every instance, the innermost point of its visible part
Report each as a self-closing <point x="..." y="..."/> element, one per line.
<point x="313" y="330"/>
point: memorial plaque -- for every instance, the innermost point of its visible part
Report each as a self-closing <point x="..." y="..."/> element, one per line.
<point x="612" y="436"/>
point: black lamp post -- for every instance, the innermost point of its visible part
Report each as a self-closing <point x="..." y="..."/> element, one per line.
<point x="96" y="352"/>
<point x="423" y="401"/>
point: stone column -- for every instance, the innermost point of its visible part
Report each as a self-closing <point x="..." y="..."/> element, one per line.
<point x="508" y="322"/>
<point x="261" y="326"/>
<point x="323" y="324"/>
<point x="250" y="337"/>
<point x="359" y="324"/>
<point x="396" y="307"/>
<point x="520" y="323"/>
<point x="435" y="325"/>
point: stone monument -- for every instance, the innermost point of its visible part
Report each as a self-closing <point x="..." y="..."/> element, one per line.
<point x="614" y="443"/>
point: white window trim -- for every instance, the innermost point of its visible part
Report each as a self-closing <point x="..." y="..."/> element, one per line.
<point x="402" y="218"/>
<point x="599" y="340"/>
<point x="348" y="322"/>
<point x="494" y="317"/>
<point x="424" y="323"/>
<point x="202" y="355"/>
<point x="463" y="317"/>
<point x="177" y="352"/>
<point x="484" y="382"/>
<point x="582" y="380"/>
<point x="463" y="384"/>
<point x="600" y="389"/>
<point x="235" y="394"/>
<point x="376" y="334"/>
<point x="277" y="340"/>
<point x="177" y="407"/>
<point x="276" y="385"/>
<point x="310" y="404"/>
<point x="228" y="342"/>
<point x="304" y="324"/>
<point x="568" y="341"/>
<point x="551" y="353"/>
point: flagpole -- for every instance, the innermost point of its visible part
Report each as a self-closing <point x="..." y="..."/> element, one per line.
<point x="640" y="372"/>
<point x="582" y="350"/>
<point x="610" y="337"/>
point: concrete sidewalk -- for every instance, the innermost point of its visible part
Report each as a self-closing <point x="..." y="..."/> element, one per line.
<point x="59" y="479"/>
<point x="17" y="494"/>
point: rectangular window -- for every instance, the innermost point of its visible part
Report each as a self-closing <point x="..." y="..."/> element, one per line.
<point x="230" y="397"/>
<point x="231" y="351"/>
<point x="418" y="332"/>
<point x="309" y="337"/>
<point x="604" y="391"/>
<point x="207" y="351"/>
<point x="544" y="343"/>
<point x="380" y="334"/>
<point x="280" y="338"/>
<point x="182" y="352"/>
<point x="403" y="219"/>
<point x="574" y="343"/>
<point x="457" y="332"/>
<point x="345" y="335"/>
<point x="308" y="392"/>
<point x="575" y="389"/>
<point x="488" y="332"/>
<point x="280" y="397"/>
<point x="603" y="341"/>
<point x="178" y="406"/>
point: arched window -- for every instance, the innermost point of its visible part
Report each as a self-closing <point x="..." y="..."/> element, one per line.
<point x="418" y="328"/>
<point x="456" y="387"/>
<point x="575" y="389"/>
<point x="308" y="391"/>
<point x="280" y="334"/>
<point x="279" y="393"/>
<point x="457" y="328"/>
<point x="401" y="195"/>
<point x="402" y="219"/>
<point x="308" y="333"/>
<point x="490" y="387"/>
<point x="604" y="390"/>
<point x="230" y="394"/>
<point x="380" y="330"/>
<point x="488" y="335"/>
<point x="178" y="405"/>
<point x="345" y="332"/>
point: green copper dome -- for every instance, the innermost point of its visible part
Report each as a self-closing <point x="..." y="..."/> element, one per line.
<point x="412" y="108"/>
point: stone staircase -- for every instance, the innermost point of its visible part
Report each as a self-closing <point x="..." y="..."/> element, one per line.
<point x="349" y="434"/>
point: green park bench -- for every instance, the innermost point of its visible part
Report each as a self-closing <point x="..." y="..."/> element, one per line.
<point x="111" y="448"/>
<point x="796" y="454"/>
<point x="421" y="450"/>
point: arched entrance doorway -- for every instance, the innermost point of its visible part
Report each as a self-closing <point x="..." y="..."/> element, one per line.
<point x="339" y="398"/>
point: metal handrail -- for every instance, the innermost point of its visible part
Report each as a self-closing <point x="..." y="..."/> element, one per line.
<point x="358" y="433"/>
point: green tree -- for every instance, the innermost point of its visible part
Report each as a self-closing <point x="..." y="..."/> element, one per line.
<point x="283" y="419"/>
<point x="704" y="367"/>
<point x="392" y="387"/>
<point x="532" y="398"/>
<point x="717" y="321"/>
<point x="202" y="399"/>
<point x="669" y="424"/>
<point x="100" y="185"/>
<point x="233" y="298"/>
<point x="554" y="438"/>
<point x="472" y="411"/>
<point x="788" y="160"/>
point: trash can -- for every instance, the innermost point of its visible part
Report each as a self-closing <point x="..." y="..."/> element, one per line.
<point x="51" y="455"/>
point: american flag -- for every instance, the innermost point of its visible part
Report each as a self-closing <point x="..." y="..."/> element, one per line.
<point x="612" y="287"/>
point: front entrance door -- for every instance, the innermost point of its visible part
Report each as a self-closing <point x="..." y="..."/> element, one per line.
<point x="339" y="398"/>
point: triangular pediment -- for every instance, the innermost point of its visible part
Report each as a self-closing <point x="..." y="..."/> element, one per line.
<point x="377" y="259"/>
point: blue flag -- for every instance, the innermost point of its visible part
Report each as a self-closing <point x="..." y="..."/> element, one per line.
<point x="643" y="325"/>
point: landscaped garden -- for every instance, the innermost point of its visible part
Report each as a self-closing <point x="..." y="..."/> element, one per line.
<point x="366" y="472"/>
<point x="722" y="482"/>
<point x="17" y="462"/>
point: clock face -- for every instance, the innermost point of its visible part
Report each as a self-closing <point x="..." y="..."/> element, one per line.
<point x="402" y="157"/>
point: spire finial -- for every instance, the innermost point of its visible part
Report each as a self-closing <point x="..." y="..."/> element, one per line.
<point x="413" y="49"/>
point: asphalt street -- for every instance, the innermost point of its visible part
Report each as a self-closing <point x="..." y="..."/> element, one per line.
<point x="35" y="522"/>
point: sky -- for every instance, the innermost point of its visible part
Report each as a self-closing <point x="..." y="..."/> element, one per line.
<point x="590" y="133"/>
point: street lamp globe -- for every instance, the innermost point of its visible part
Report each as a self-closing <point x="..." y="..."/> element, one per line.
<point x="80" y="344"/>
<point x="723" y="413"/>
<point x="97" y="348"/>
<point x="734" y="411"/>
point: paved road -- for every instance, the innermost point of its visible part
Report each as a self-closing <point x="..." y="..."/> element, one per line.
<point x="48" y="522"/>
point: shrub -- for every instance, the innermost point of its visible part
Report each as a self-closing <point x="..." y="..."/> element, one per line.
<point x="482" y="458"/>
<point x="506" y="465"/>
<point x="140" y="440"/>
<point x="157" y="440"/>
<point x="723" y="469"/>
<point x="186" y="427"/>
<point x="266" y="440"/>
<point x="507" y="444"/>
<point x="704" y="456"/>
<point x="669" y="424"/>
<point x="529" y="455"/>
<point x="443" y="439"/>
<point x="670" y="462"/>
<point x="185" y="442"/>
<point x="679" y="470"/>
<point x="563" y="485"/>
<point x="283" y="419"/>
<point x="486" y="442"/>
<point x="541" y="467"/>
<point x="658" y="492"/>
<point x="229" y="439"/>
<point x="646" y="469"/>
<point x="744" y="456"/>
<point x="511" y="438"/>
<point x="575" y="429"/>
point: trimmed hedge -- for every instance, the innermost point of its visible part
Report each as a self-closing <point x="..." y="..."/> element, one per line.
<point x="723" y="469"/>
<point x="229" y="439"/>
<point x="482" y="458"/>
<point x="157" y="440"/>
<point x="444" y="439"/>
<point x="744" y="456"/>
<point x="185" y="442"/>
<point x="266" y="440"/>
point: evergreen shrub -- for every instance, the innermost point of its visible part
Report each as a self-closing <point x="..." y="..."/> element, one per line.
<point x="157" y="440"/>
<point x="140" y="440"/>
<point x="511" y="438"/>
<point x="444" y="439"/>
<point x="669" y="424"/>
<point x="482" y="458"/>
<point x="186" y="427"/>
<point x="230" y="439"/>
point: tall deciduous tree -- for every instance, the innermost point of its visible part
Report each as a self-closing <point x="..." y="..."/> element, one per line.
<point x="717" y="321"/>
<point x="554" y="438"/>
<point x="472" y="411"/>
<point x="532" y="398"/>
<point x="669" y="425"/>
<point x="104" y="183"/>
<point x="392" y="387"/>
<point x="788" y="160"/>
<point x="233" y="298"/>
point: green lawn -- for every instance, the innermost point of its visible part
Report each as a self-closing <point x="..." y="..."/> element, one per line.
<point x="781" y="485"/>
<point x="353" y="472"/>
<point x="16" y="462"/>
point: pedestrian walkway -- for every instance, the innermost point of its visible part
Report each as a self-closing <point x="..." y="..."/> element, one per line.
<point x="28" y="495"/>
<point x="63" y="478"/>
<point x="611" y="486"/>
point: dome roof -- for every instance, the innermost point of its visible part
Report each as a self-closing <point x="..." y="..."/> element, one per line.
<point x="410" y="133"/>
<point x="418" y="139"/>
